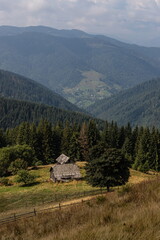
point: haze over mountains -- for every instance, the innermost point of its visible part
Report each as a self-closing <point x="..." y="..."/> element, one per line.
<point x="18" y="87"/>
<point x="14" y="112"/>
<point x="22" y="99"/>
<point x="139" y="105"/>
<point x="92" y="72"/>
<point x="79" y="66"/>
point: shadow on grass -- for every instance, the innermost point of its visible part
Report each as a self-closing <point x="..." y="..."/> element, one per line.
<point x="30" y="184"/>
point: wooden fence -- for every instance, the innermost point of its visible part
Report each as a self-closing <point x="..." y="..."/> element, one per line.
<point x="59" y="197"/>
<point x="15" y="217"/>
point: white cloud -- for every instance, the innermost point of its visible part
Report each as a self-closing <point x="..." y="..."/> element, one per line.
<point x="34" y="5"/>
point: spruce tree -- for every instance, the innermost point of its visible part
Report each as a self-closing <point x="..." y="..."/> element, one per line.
<point x="111" y="169"/>
<point x="66" y="138"/>
<point x="2" y="139"/>
<point x="83" y="141"/>
<point x="74" y="150"/>
<point x="93" y="134"/>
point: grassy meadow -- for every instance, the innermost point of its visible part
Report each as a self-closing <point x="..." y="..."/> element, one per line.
<point x="131" y="213"/>
<point x="18" y="198"/>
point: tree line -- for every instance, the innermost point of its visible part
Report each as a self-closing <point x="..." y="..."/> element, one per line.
<point x="29" y="144"/>
<point x="14" y="112"/>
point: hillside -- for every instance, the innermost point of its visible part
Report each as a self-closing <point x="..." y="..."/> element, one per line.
<point x="79" y="66"/>
<point x="18" y="87"/>
<point x="36" y="194"/>
<point x="13" y="112"/>
<point x="131" y="213"/>
<point x="139" y="105"/>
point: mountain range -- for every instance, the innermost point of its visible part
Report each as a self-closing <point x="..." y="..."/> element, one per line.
<point x="21" y="88"/>
<point x="13" y="112"/>
<point x="23" y="99"/>
<point x="81" y="67"/>
<point x="139" y="105"/>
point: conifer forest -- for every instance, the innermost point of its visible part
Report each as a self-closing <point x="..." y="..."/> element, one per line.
<point x="29" y="144"/>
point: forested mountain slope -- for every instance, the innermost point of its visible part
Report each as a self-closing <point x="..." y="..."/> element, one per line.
<point x="139" y="105"/>
<point x="18" y="87"/>
<point x="13" y="112"/>
<point x="80" y="66"/>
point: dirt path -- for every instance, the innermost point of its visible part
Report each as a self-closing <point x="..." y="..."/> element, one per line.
<point x="49" y="206"/>
<point x="70" y="202"/>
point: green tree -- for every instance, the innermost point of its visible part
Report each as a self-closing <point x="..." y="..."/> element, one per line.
<point x="147" y="154"/>
<point x="18" y="164"/>
<point x="10" y="154"/>
<point x="44" y="144"/>
<point x="25" y="177"/>
<point x="23" y="135"/>
<point x="97" y="150"/>
<point x="57" y="139"/>
<point x="66" y="138"/>
<point x="47" y="143"/>
<point x="128" y="149"/>
<point x="2" y="139"/>
<point x="111" y="169"/>
<point x="83" y="141"/>
<point x="111" y="135"/>
<point x="74" y="150"/>
<point x="93" y="134"/>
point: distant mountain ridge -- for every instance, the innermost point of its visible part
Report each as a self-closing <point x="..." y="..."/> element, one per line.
<point x="139" y="105"/>
<point x="21" y="88"/>
<point x="13" y="30"/>
<point x="81" y="67"/>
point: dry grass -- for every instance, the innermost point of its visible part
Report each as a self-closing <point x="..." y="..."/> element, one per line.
<point x="16" y="198"/>
<point x="132" y="214"/>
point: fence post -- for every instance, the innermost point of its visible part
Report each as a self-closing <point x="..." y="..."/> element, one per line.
<point x="34" y="212"/>
<point x="59" y="206"/>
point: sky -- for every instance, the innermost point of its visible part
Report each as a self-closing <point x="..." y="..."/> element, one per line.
<point x="135" y="21"/>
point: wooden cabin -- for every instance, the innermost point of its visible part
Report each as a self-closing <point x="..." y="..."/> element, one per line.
<point x="64" y="170"/>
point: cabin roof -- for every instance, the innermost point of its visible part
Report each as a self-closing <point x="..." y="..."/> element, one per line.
<point x="62" y="159"/>
<point x="66" y="171"/>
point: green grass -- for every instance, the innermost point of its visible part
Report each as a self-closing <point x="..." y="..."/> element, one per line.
<point x="133" y="215"/>
<point x="16" y="196"/>
<point x="88" y="90"/>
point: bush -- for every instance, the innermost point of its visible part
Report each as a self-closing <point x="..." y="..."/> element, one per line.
<point x="38" y="163"/>
<point x="124" y="189"/>
<point x="4" y="181"/>
<point x="10" y="154"/>
<point x="100" y="199"/>
<point x="18" y="164"/>
<point x="25" y="177"/>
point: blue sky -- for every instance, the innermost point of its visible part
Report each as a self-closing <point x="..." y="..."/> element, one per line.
<point x="136" y="21"/>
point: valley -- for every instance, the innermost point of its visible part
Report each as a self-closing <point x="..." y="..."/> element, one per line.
<point x="94" y="101"/>
<point x="139" y="105"/>
<point x="90" y="89"/>
<point x="66" y="61"/>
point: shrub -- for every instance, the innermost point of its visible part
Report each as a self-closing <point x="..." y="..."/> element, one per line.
<point x="18" y="164"/>
<point x="124" y="189"/>
<point x="38" y="163"/>
<point x="25" y="177"/>
<point x="4" y="181"/>
<point x="100" y="199"/>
